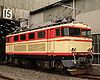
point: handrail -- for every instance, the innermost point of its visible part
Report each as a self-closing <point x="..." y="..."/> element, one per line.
<point x="74" y="58"/>
<point x="92" y="55"/>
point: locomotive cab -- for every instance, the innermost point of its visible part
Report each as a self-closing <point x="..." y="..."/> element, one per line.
<point x="79" y="47"/>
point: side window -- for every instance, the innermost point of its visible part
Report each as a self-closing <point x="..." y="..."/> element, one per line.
<point x="65" y="31"/>
<point x="58" y="32"/>
<point x="41" y="34"/>
<point x="31" y="35"/>
<point x="23" y="37"/>
<point x="16" y="38"/>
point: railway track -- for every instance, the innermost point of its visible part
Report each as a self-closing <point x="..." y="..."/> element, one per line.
<point x="5" y="78"/>
<point x="87" y="76"/>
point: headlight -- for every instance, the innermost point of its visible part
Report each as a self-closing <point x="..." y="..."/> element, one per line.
<point x="73" y="49"/>
<point x="90" y="49"/>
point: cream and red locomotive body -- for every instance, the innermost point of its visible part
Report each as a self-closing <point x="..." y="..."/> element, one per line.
<point x="66" y="45"/>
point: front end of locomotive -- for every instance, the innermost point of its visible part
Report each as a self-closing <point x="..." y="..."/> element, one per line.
<point x="79" y="62"/>
<point x="80" y="50"/>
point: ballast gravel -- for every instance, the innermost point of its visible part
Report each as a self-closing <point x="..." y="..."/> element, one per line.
<point x="26" y="74"/>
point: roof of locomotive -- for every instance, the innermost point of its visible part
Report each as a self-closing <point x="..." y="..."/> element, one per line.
<point x="74" y="24"/>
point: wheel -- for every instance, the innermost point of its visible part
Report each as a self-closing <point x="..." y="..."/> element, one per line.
<point x="25" y="63"/>
<point x="59" y="66"/>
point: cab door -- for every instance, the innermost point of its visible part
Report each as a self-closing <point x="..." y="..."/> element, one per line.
<point x="10" y="46"/>
<point x="51" y="41"/>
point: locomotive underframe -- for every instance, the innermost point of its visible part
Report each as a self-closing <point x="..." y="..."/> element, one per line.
<point x="48" y="62"/>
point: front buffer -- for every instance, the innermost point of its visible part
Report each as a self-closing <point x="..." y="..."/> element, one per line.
<point x="78" y="64"/>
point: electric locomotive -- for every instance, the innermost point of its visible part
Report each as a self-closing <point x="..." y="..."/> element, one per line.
<point x="64" y="46"/>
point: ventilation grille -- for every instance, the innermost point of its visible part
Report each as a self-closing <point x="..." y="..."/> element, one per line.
<point x="20" y="47"/>
<point x="36" y="47"/>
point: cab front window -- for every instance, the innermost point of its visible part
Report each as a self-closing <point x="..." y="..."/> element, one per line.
<point x="74" y="31"/>
<point x="86" y="33"/>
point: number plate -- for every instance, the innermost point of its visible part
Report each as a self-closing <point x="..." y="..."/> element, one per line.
<point x="7" y="13"/>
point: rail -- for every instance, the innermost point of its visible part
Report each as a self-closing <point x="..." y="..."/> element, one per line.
<point x="88" y="76"/>
<point x="5" y="78"/>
